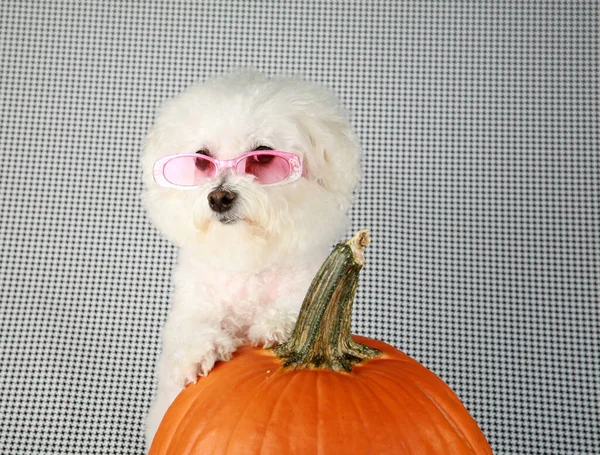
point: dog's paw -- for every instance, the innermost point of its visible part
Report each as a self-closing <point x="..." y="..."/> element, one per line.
<point x="268" y="340"/>
<point x="272" y="327"/>
<point x="191" y="360"/>
<point x="186" y="369"/>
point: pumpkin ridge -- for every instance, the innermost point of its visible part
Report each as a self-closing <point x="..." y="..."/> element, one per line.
<point x="319" y="389"/>
<point x="435" y="428"/>
<point x="184" y="409"/>
<point x="364" y="385"/>
<point x="168" y="432"/>
<point x="449" y="419"/>
<point x="356" y="406"/>
<point x="247" y="377"/>
<point x="272" y="413"/>
<point x="395" y="399"/>
<point x="361" y="384"/>
<point x="191" y="409"/>
<point x="259" y="390"/>
<point x="416" y="373"/>
<point x="430" y="399"/>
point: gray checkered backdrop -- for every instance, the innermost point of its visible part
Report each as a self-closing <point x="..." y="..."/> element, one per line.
<point x="480" y="127"/>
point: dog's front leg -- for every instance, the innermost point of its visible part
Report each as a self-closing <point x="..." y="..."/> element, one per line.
<point x="191" y="346"/>
<point x="275" y="323"/>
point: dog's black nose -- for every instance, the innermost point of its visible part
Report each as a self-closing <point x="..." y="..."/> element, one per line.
<point x="221" y="200"/>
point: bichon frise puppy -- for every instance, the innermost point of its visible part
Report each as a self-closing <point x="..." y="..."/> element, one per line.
<point x="251" y="178"/>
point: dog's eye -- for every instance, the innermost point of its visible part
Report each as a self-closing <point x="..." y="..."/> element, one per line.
<point x="262" y="159"/>
<point x="201" y="163"/>
<point x="262" y="147"/>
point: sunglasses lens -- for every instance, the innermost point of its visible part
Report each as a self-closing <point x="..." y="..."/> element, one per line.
<point x="189" y="170"/>
<point x="266" y="167"/>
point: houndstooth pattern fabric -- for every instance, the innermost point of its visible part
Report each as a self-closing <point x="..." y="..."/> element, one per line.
<point x="480" y="128"/>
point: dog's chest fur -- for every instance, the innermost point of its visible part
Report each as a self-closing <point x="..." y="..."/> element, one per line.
<point x="236" y="297"/>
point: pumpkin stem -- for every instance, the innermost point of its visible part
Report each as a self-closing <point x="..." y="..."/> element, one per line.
<point x="321" y="337"/>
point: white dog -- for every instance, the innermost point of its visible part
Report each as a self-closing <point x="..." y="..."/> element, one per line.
<point x="250" y="241"/>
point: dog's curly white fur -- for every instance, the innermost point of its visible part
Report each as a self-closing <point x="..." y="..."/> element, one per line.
<point x="243" y="277"/>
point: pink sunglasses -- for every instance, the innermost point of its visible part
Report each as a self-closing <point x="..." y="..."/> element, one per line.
<point x="187" y="171"/>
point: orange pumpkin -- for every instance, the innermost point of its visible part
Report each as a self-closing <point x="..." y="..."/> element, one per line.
<point x="323" y="392"/>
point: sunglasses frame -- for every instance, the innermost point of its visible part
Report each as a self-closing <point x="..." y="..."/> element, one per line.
<point x="296" y="170"/>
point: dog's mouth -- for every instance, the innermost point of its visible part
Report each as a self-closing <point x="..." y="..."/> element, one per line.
<point x="227" y="219"/>
<point x="235" y="219"/>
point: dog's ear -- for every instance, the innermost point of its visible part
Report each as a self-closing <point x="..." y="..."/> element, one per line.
<point x="334" y="159"/>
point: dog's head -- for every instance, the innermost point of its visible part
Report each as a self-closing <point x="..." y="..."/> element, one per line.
<point x="233" y="220"/>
